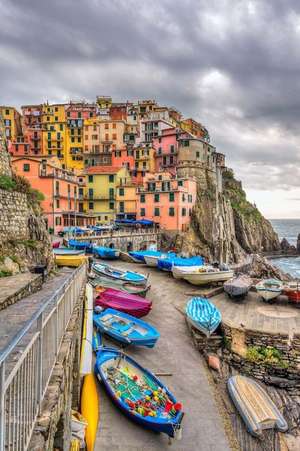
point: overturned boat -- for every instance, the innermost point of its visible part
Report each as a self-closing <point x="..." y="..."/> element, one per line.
<point x="203" y="315"/>
<point x="238" y="286"/>
<point x="124" y="302"/>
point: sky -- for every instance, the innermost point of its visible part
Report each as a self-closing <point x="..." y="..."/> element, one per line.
<point x="232" y="65"/>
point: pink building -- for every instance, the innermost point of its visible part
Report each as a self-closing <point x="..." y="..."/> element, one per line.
<point x="167" y="200"/>
<point x="123" y="158"/>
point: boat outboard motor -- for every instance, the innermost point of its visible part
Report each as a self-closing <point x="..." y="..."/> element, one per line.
<point x="215" y="265"/>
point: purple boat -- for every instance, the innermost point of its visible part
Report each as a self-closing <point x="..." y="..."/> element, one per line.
<point x="124" y="302"/>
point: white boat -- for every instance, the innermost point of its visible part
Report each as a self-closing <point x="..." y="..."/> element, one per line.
<point x="151" y="260"/>
<point x="206" y="275"/>
<point x="269" y="289"/>
<point x="179" y="271"/>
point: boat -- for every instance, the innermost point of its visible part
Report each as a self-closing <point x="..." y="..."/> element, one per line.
<point x="269" y="289"/>
<point x="119" y="274"/>
<point x="238" y="286"/>
<point x="139" y="394"/>
<point x="203" y="315"/>
<point x="97" y="340"/>
<point x="67" y="251"/>
<point x="70" y="260"/>
<point x="55" y="244"/>
<point x="124" y="302"/>
<point x="80" y="245"/>
<point x="89" y="406"/>
<point x="179" y="271"/>
<point x="126" y="257"/>
<point x="140" y="255"/>
<point x="166" y="264"/>
<point x="87" y="333"/>
<point x="207" y="274"/>
<point x="292" y="291"/>
<point x="106" y="252"/>
<point x="152" y="260"/>
<point x="100" y="282"/>
<point x="125" y="328"/>
<point x="255" y="406"/>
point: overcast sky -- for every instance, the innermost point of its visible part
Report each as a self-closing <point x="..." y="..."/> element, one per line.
<point x="233" y="65"/>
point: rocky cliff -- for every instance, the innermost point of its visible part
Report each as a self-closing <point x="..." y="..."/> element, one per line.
<point x="24" y="240"/>
<point x="225" y="226"/>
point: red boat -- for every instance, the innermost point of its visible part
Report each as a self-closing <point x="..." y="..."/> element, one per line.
<point x="124" y="302"/>
<point x="55" y="244"/>
<point x="292" y="291"/>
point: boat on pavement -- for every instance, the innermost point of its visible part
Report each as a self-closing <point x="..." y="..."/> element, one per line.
<point x="67" y="251"/>
<point x="124" y="302"/>
<point x="140" y="255"/>
<point x="102" y="282"/>
<point x="238" y="286"/>
<point x="70" y="260"/>
<point x="119" y="274"/>
<point x="269" y="289"/>
<point x="207" y="274"/>
<point x="292" y="291"/>
<point x="106" y="252"/>
<point x="139" y="394"/>
<point x="203" y="315"/>
<point x="152" y="260"/>
<point x="55" y="244"/>
<point x="256" y="408"/>
<point x="126" y="328"/>
<point x="80" y="245"/>
<point x="166" y="264"/>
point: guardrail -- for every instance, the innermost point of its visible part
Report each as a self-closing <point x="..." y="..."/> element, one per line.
<point x="26" y="364"/>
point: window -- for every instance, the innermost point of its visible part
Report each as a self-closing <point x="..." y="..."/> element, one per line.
<point x="79" y="139"/>
<point x="61" y="127"/>
<point x="122" y="208"/>
<point x="91" y="193"/>
<point x="159" y="151"/>
<point x="91" y="205"/>
<point x="111" y="205"/>
<point x="26" y="167"/>
<point x="190" y="212"/>
<point x="185" y="143"/>
<point x="171" y="197"/>
<point x="106" y="126"/>
<point x="111" y="193"/>
<point x="183" y="212"/>
<point x="7" y="112"/>
<point x="143" y="212"/>
<point x="79" y="114"/>
<point x="57" y="203"/>
<point x="72" y="139"/>
<point x="111" y="178"/>
<point x="190" y="198"/>
<point x="183" y="198"/>
<point x="56" y="118"/>
<point x="56" y="109"/>
<point x="49" y="135"/>
<point x="142" y="198"/>
<point x="197" y="154"/>
<point x="172" y="148"/>
<point x="94" y="137"/>
<point x="106" y="137"/>
<point x="171" y="211"/>
<point x="114" y="136"/>
<point x="114" y="125"/>
<point x="156" y="211"/>
<point x="121" y="191"/>
<point x="156" y="197"/>
<point x="91" y="178"/>
<point x="180" y="183"/>
<point x="95" y="128"/>
<point x="58" y="220"/>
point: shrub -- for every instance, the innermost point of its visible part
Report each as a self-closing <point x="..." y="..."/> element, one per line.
<point x="266" y="355"/>
<point x="7" y="183"/>
<point x="5" y="273"/>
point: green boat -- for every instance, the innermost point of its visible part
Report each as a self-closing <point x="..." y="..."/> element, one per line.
<point x="127" y="287"/>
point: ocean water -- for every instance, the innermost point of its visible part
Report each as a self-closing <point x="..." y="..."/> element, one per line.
<point x="289" y="229"/>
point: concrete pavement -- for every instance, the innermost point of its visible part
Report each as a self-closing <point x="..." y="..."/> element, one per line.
<point x="174" y="353"/>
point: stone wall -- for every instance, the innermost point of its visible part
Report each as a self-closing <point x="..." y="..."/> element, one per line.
<point x="4" y="159"/>
<point x="14" y="216"/>
<point x="53" y="429"/>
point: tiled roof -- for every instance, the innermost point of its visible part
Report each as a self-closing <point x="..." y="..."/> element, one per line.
<point x="103" y="170"/>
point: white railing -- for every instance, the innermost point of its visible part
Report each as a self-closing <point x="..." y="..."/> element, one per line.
<point x="26" y="364"/>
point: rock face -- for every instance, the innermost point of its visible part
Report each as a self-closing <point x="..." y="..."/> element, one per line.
<point x="24" y="240"/>
<point x="225" y="226"/>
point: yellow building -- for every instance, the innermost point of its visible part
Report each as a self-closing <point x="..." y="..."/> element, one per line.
<point x="54" y="132"/>
<point x="102" y="182"/>
<point x="144" y="159"/>
<point x="11" y="122"/>
<point x="126" y="199"/>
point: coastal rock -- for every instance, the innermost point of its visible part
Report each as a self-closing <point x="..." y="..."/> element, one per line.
<point x="261" y="268"/>
<point x="285" y="245"/>
<point x="298" y="243"/>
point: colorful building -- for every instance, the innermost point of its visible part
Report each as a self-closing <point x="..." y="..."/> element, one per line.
<point x="59" y="187"/>
<point x="54" y="131"/>
<point x="124" y="158"/>
<point x="33" y="129"/>
<point x="195" y="128"/>
<point x="126" y="197"/>
<point x="11" y="122"/>
<point x="166" y="150"/>
<point x="144" y="157"/>
<point x="102" y="182"/>
<point x="167" y="200"/>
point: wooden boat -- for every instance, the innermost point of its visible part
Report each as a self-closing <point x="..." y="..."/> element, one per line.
<point x="255" y="406"/>
<point x="89" y="405"/>
<point x="125" y="328"/>
<point x="116" y="273"/>
<point x="67" y="251"/>
<point x="292" y="291"/>
<point x="70" y="260"/>
<point x="179" y="271"/>
<point x="106" y="252"/>
<point x="55" y="244"/>
<point x="124" y="302"/>
<point x="238" y="286"/>
<point x="269" y="289"/>
<point x="166" y="264"/>
<point x="152" y="260"/>
<point x="100" y="282"/>
<point x="203" y="315"/>
<point x="206" y="275"/>
<point x="139" y="394"/>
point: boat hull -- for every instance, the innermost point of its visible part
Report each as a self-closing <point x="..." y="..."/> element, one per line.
<point x="90" y="409"/>
<point x="167" y="426"/>
<point x="126" y="329"/>
<point x="106" y="253"/>
<point x="203" y="315"/>
<point x="124" y="302"/>
<point x="179" y="271"/>
<point x="207" y="278"/>
<point x="255" y="406"/>
<point x="151" y="261"/>
<point x="100" y="282"/>
<point x="117" y="274"/>
<point x="238" y="287"/>
<point x="70" y="260"/>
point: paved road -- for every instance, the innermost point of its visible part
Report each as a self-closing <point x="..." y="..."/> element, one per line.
<point x="174" y="353"/>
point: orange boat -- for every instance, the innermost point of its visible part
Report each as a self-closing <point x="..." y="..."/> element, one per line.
<point x="292" y="291"/>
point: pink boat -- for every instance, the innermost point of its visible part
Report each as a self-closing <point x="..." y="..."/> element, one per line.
<point x="56" y="244"/>
<point x="124" y="302"/>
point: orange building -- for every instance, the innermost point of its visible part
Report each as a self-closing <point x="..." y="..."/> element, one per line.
<point x="167" y="200"/>
<point x="60" y="190"/>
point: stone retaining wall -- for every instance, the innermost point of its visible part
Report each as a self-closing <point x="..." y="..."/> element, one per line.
<point x="53" y="428"/>
<point x="14" y="216"/>
<point x="31" y="287"/>
<point x="4" y="159"/>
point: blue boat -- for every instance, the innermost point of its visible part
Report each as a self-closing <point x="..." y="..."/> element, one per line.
<point x="106" y="253"/>
<point x="166" y="264"/>
<point x="139" y="394"/>
<point x="126" y="328"/>
<point x="140" y="255"/>
<point x="97" y="340"/>
<point x="80" y="245"/>
<point x="115" y="273"/>
<point x="203" y="315"/>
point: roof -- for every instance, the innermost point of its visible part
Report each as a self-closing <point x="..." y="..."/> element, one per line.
<point x="103" y="170"/>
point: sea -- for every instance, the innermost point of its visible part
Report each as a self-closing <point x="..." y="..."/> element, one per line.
<point x="289" y="229"/>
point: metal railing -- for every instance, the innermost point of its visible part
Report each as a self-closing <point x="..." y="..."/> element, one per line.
<point x="26" y="364"/>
